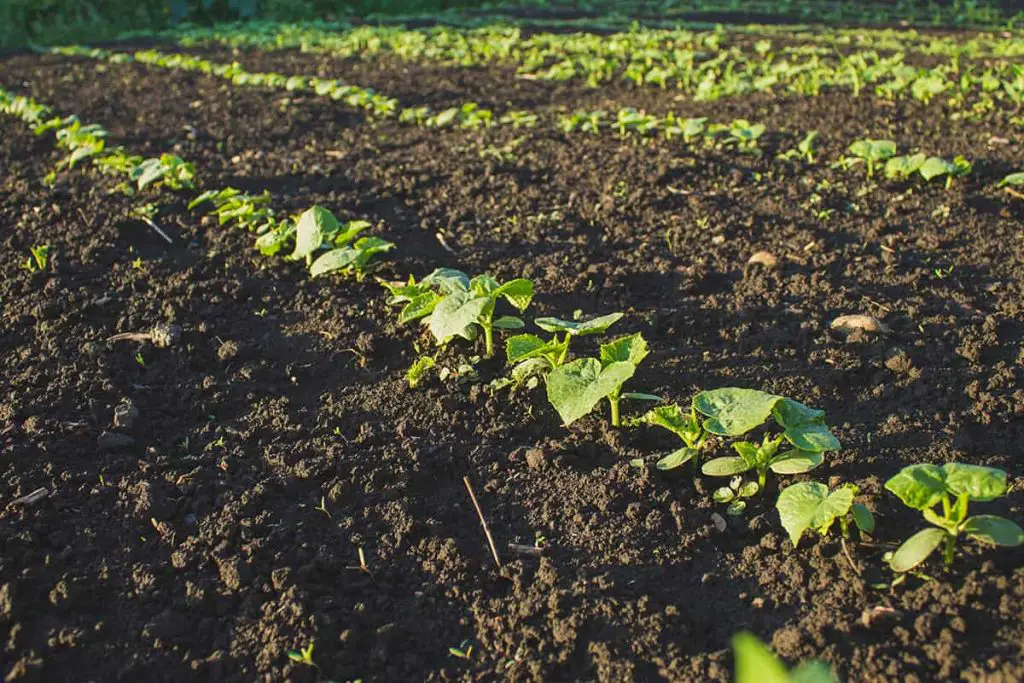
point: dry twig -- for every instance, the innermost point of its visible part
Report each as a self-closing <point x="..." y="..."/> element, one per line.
<point x="483" y="522"/>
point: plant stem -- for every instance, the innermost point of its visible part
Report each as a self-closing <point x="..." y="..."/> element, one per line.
<point x="615" y="410"/>
<point x="488" y="340"/>
<point x="762" y="476"/>
<point x="950" y="548"/>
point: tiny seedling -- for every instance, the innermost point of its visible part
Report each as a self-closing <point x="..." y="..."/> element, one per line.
<point x="38" y="260"/>
<point x="904" y="166"/>
<point x="463" y="651"/>
<point x="744" y="135"/>
<point x="954" y="486"/>
<point x="464" y="309"/>
<point x="733" y="495"/>
<point x="810" y="505"/>
<point x="871" y="152"/>
<point x="168" y="170"/>
<point x="531" y="356"/>
<point x="686" y="426"/>
<point x="734" y="411"/>
<point x="318" y="229"/>
<point x="418" y="370"/>
<point x="808" y="146"/>
<point x="303" y="656"/>
<point x="934" y="167"/>
<point x="576" y="387"/>
<point x="755" y="663"/>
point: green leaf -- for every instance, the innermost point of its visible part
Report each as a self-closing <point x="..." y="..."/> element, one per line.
<point x="918" y="486"/>
<point x="673" y="418"/>
<point x="455" y="315"/>
<point x="529" y="368"/>
<point x="448" y="280"/>
<point x="934" y="167"/>
<point x="994" y="530"/>
<point x="523" y="346"/>
<point x="577" y="329"/>
<point x="748" y="451"/>
<point x="863" y="518"/>
<point x="418" y="370"/>
<point x="809" y="505"/>
<point x="795" y="462"/>
<point x="733" y="411"/>
<point x="631" y="349"/>
<point x="916" y="549"/>
<point x="575" y="388"/>
<point x="790" y="413"/>
<point x="148" y="172"/>
<point x="509" y="322"/>
<point x="313" y="224"/>
<point x="736" y="507"/>
<point x="748" y="490"/>
<point x="519" y="293"/>
<point x="814" y="437"/>
<point x="677" y="458"/>
<point x="755" y="663"/>
<point x="348" y="233"/>
<point x="980" y="484"/>
<point x="418" y="307"/>
<point x="723" y="495"/>
<point x="335" y="259"/>
<point x="813" y="672"/>
<point x="1015" y="179"/>
<point x="725" y="467"/>
<point x="903" y="166"/>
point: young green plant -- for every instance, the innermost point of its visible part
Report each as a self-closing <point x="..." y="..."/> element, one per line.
<point x="733" y="411"/>
<point x="467" y="308"/>
<point x="576" y="387"/>
<point x="871" y="152"/>
<point x="810" y="505"/>
<point x="531" y="356"/>
<point x="755" y="663"/>
<point x="953" y="487"/>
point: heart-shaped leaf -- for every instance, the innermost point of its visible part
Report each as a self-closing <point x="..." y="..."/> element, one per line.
<point x="631" y="349"/>
<point x="519" y="293"/>
<point x="918" y="486"/>
<point x="732" y="411"/>
<point x="980" y="484"/>
<point x="815" y="437"/>
<point x="809" y="505"/>
<point x="456" y="314"/>
<point x="523" y="346"/>
<point x="575" y="388"/>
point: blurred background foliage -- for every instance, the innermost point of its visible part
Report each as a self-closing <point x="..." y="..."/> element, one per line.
<point x="25" y="22"/>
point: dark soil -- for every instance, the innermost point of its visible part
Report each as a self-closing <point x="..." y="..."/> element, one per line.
<point x="279" y="437"/>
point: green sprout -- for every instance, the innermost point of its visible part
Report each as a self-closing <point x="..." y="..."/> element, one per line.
<point x="953" y="486"/>
<point x="810" y="505"/>
<point x="755" y="663"/>
<point x="303" y="656"/>
<point x="531" y="356"/>
<point x="38" y="260"/>
<point x="871" y="152"/>
<point x="576" y="387"/>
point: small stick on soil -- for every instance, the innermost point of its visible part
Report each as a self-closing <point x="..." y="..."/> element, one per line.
<point x="530" y="550"/>
<point x="483" y="522"/>
<point x="440" y="238"/>
<point x="1014" y="193"/>
<point x="846" y="552"/>
<point x="31" y="498"/>
<point x="156" y="228"/>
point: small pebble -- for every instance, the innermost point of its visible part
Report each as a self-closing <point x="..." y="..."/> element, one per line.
<point x="867" y="323"/>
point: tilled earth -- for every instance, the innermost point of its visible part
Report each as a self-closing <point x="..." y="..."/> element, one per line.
<point x="279" y="438"/>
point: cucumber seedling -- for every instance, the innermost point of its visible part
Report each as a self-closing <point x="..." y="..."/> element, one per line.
<point x="531" y="356"/>
<point x="871" y="153"/>
<point x="953" y="486"/>
<point x="318" y="230"/>
<point x="810" y="505"/>
<point x="574" y="388"/>
<point x="935" y="167"/>
<point x="733" y="412"/>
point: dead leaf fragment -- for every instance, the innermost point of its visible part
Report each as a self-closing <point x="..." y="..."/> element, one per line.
<point x="763" y="258"/>
<point x="867" y="323"/>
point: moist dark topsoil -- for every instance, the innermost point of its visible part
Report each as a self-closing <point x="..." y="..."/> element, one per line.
<point x="279" y="438"/>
